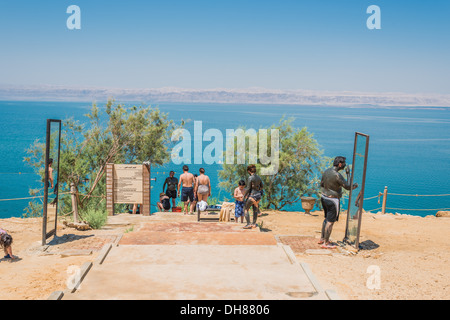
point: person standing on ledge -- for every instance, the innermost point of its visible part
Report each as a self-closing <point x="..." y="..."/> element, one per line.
<point x="252" y="196"/>
<point x="171" y="183"/>
<point x="331" y="187"/>
<point x="187" y="192"/>
<point x="202" y="186"/>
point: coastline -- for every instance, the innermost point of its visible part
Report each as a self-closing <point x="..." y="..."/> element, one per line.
<point x="254" y="95"/>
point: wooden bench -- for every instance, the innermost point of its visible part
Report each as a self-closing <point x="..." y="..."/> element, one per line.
<point x="213" y="213"/>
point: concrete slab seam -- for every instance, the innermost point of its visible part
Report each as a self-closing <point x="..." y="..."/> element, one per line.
<point x="311" y="277"/>
<point x="332" y="295"/>
<point x="83" y="272"/>
<point x="290" y="254"/>
<point x="56" y="295"/>
<point x="119" y="237"/>
<point x="103" y="253"/>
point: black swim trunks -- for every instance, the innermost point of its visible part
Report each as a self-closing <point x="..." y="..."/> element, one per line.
<point x="256" y="196"/>
<point x="171" y="193"/>
<point x="331" y="208"/>
<point x="187" y="193"/>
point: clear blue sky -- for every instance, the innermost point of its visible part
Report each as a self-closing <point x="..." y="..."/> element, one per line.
<point x="314" y="44"/>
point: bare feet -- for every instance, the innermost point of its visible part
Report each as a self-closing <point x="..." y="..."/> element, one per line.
<point x="328" y="245"/>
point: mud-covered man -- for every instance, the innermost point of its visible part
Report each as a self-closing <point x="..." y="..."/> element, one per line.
<point x="171" y="182"/>
<point x="331" y="186"/>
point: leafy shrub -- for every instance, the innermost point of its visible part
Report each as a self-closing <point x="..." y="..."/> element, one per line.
<point x="95" y="217"/>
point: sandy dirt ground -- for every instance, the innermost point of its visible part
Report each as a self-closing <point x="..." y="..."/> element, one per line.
<point x="412" y="255"/>
<point x="411" y="260"/>
<point x="35" y="274"/>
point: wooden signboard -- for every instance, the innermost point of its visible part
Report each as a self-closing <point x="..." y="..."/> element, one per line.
<point x="128" y="184"/>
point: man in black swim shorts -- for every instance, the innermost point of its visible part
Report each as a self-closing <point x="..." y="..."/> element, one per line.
<point x="332" y="184"/>
<point x="187" y="191"/>
<point x="171" y="183"/>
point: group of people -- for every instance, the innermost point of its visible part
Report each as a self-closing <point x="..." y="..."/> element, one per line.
<point x="196" y="188"/>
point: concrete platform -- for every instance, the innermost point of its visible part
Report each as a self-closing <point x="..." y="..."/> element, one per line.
<point x="194" y="233"/>
<point x="196" y="273"/>
<point x="197" y="261"/>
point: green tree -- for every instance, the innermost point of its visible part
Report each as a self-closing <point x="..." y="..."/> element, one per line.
<point x="112" y="134"/>
<point x="300" y="166"/>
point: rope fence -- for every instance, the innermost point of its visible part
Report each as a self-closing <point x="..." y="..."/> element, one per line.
<point x="419" y="195"/>
<point x="29" y="198"/>
<point x="386" y="193"/>
<point x="383" y="195"/>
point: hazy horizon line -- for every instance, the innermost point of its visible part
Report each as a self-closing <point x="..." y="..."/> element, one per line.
<point x="251" y="95"/>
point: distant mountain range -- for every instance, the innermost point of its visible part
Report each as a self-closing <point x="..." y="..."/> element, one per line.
<point x="245" y="96"/>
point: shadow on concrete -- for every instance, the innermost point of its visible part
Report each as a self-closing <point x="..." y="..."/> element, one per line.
<point x="68" y="238"/>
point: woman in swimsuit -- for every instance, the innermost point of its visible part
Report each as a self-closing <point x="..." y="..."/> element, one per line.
<point x="203" y="186"/>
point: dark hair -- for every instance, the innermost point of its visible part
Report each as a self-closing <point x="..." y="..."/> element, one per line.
<point x="338" y="160"/>
<point x="251" y="168"/>
<point x="195" y="175"/>
<point x="6" y="240"/>
<point x="242" y="183"/>
<point x="185" y="168"/>
<point x="202" y="170"/>
<point x="50" y="161"/>
<point x="171" y="172"/>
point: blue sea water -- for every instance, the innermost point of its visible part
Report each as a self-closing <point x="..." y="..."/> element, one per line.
<point x="409" y="147"/>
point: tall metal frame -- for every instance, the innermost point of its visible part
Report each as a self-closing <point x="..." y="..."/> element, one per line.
<point x="48" y="233"/>
<point x="361" y="199"/>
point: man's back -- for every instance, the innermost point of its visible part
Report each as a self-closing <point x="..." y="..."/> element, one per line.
<point x="332" y="183"/>
<point x="187" y="179"/>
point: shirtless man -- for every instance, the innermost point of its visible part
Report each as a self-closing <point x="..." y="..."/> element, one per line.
<point x="187" y="193"/>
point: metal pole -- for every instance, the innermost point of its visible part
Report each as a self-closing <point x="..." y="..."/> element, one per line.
<point x="383" y="208"/>
<point x="73" y="192"/>
<point x="150" y="188"/>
